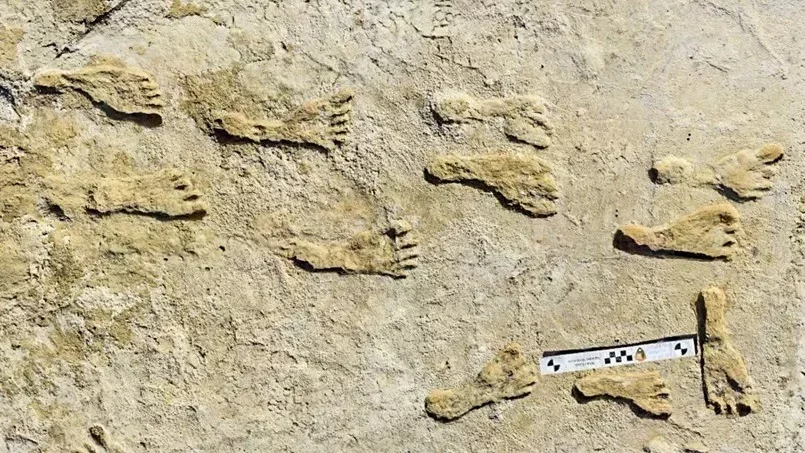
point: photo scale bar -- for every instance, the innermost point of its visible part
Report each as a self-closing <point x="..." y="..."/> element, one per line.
<point x="557" y="362"/>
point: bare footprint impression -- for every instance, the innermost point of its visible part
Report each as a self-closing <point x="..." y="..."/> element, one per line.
<point x="711" y="232"/>
<point x="522" y="181"/>
<point x="659" y="444"/>
<point x="111" y="83"/>
<point x="166" y="194"/>
<point x="392" y="252"/>
<point x="508" y="375"/>
<point x="323" y="122"/>
<point x="100" y="442"/>
<point x="746" y="174"/>
<point x="646" y="390"/>
<point x="525" y="118"/>
<point x="728" y="386"/>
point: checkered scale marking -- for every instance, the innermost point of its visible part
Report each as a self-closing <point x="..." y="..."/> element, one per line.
<point x="618" y="357"/>
<point x="555" y="362"/>
<point x="680" y="349"/>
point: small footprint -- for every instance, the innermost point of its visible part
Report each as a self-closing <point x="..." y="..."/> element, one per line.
<point x="508" y="375"/>
<point x="392" y="252"/>
<point x="109" y="82"/>
<point x="645" y="389"/>
<point x="525" y="118"/>
<point x="323" y="122"/>
<point x="520" y="180"/>
<point x="659" y="444"/>
<point x="746" y="174"/>
<point x="728" y="386"/>
<point x="99" y="442"/>
<point x="431" y="18"/>
<point x="169" y="193"/>
<point x="713" y="231"/>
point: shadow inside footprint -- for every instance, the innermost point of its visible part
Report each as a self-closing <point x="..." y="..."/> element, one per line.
<point x="224" y="138"/>
<point x="626" y="244"/>
<point x="148" y="120"/>
<point x="732" y="195"/>
<point x="488" y="403"/>
<point x="653" y="175"/>
<point x="701" y="332"/>
<point x="161" y="216"/>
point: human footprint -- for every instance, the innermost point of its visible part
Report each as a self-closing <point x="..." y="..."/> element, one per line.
<point x="110" y="82"/>
<point x="168" y="193"/>
<point x="392" y="252"/>
<point x="525" y="117"/>
<point x="508" y="375"/>
<point x="728" y="386"/>
<point x="659" y="444"/>
<point x="100" y="442"/>
<point x="747" y="174"/>
<point x="713" y="231"/>
<point x="323" y="122"/>
<point x="646" y="390"/>
<point x="523" y="181"/>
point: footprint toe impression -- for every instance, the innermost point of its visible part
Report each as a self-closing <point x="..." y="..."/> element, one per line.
<point x="323" y="122"/>
<point x="713" y="231"/>
<point x="507" y="375"/>
<point x="748" y="173"/>
<point x="525" y="118"/>
<point x="728" y="386"/>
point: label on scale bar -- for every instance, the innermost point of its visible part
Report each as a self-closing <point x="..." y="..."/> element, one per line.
<point x="556" y="362"/>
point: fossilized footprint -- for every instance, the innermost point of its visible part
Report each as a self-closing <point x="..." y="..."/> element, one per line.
<point x="168" y="193"/>
<point x="14" y="265"/>
<point x="324" y="122"/>
<point x="10" y="37"/>
<point x="108" y="81"/>
<point x="645" y="389"/>
<point x="525" y="117"/>
<point x="659" y="444"/>
<point x="392" y="252"/>
<point x="523" y="181"/>
<point x="100" y="442"/>
<point x="728" y="386"/>
<point x="508" y="375"/>
<point x="712" y="231"/>
<point x="747" y="173"/>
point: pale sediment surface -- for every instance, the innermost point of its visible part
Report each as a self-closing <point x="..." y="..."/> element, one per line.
<point x="204" y="321"/>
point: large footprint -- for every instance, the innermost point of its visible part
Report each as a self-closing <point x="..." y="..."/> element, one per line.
<point x="392" y="252"/>
<point x="168" y="193"/>
<point x="508" y="375"/>
<point x="523" y="181"/>
<point x="747" y="174"/>
<point x="646" y="390"/>
<point x="525" y="117"/>
<point x="727" y="382"/>
<point x="713" y="231"/>
<point x="324" y="122"/>
<point x="108" y="81"/>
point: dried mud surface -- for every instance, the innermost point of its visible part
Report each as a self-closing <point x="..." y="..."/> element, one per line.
<point x="217" y="231"/>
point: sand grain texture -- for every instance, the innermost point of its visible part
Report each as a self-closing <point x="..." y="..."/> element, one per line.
<point x="207" y="209"/>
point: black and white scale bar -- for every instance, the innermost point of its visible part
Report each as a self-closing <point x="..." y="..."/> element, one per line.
<point x="556" y="362"/>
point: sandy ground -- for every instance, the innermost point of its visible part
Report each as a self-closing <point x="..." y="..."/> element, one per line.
<point x="218" y="233"/>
